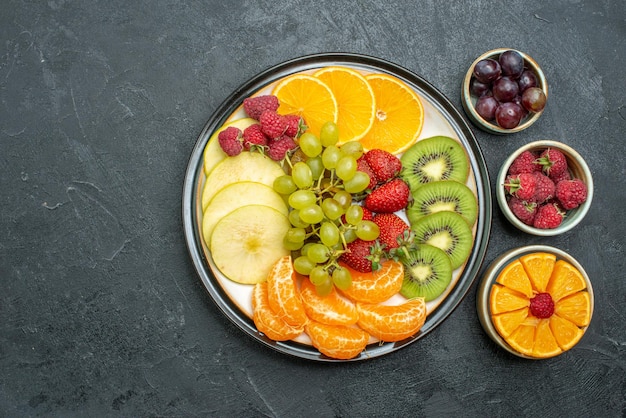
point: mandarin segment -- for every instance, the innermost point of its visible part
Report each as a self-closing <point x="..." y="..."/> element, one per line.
<point x="567" y="334"/>
<point x="508" y="322"/>
<point x="392" y="322"/>
<point x="267" y="321"/>
<point x="576" y="308"/>
<point x="283" y="296"/>
<point x="539" y="267"/>
<point x="337" y="341"/>
<point x="502" y="299"/>
<point x="565" y="280"/>
<point x="377" y="286"/>
<point x="514" y="277"/>
<point x="523" y="339"/>
<point x="545" y="344"/>
<point x="331" y="309"/>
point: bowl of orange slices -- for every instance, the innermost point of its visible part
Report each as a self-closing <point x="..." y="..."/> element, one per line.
<point x="536" y="301"/>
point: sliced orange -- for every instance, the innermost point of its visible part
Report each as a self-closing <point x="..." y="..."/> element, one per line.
<point x="539" y="267"/>
<point x="377" y="286"/>
<point x="523" y="339"/>
<point x="508" y="322"/>
<point x="331" y="309"/>
<point x="337" y="341"/>
<point x="545" y="344"/>
<point x="308" y="97"/>
<point x="399" y="115"/>
<point x="502" y="299"/>
<point x="392" y="322"/>
<point x="355" y="101"/>
<point x="283" y="296"/>
<point x="566" y="332"/>
<point x="576" y="308"/>
<point x="267" y="321"/>
<point x="514" y="277"/>
<point x="565" y="280"/>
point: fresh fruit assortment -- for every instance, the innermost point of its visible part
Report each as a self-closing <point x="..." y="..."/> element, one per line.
<point x="540" y="188"/>
<point x="540" y="305"/>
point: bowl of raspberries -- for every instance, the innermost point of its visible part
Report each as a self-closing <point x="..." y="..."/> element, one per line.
<point x="544" y="188"/>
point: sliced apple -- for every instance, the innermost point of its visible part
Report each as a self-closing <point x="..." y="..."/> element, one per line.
<point x="246" y="243"/>
<point x="213" y="153"/>
<point x="237" y="195"/>
<point x="247" y="166"/>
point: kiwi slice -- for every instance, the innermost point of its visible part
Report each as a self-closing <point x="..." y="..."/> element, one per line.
<point x="427" y="273"/>
<point x="447" y="231"/>
<point x="433" y="159"/>
<point x="447" y="195"/>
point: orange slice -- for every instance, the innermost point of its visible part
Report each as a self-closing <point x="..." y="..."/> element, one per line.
<point x="308" y="97"/>
<point x="267" y="321"/>
<point x="565" y="280"/>
<point x="337" y="341"/>
<point x="283" y="296"/>
<point x="355" y="101"/>
<point x="502" y="299"/>
<point x="377" y="286"/>
<point x="399" y="115"/>
<point x="331" y="309"/>
<point x="392" y="322"/>
<point x="545" y="344"/>
<point x="539" y="267"/>
<point x="575" y="308"/>
<point x="514" y="277"/>
<point x="523" y="339"/>
<point x="508" y="322"/>
<point x="566" y="332"/>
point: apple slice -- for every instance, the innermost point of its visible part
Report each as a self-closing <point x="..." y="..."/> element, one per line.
<point x="237" y="195"/>
<point x="213" y="153"/>
<point x="247" y="166"/>
<point x="246" y="243"/>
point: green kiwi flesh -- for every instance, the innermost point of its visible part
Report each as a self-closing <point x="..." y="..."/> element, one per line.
<point x="427" y="273"/>
<point x="447" y="231"/>
<point x="447" y="195"/>
<point x="433" y="159"/>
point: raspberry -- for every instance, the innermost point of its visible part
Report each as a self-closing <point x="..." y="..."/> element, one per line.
<point x="521" y="186"/>
<point x="524" y="211"/>
<point x="548" y="216"/>
<point x="564" y="176"/>
<point x="272" y="124"/>
<point x="254" y="136"/>
<point x="526" y="162"/>
<point x="542" y="305"/>
<point x="571" y="193"/>
<point x="279" y="148"/>
<point x="295" y="126"/>
<point x="230" y="141"/>
<point x="254" y="106"/>
<point x="553" y="162"/>
<point x="544" y="190"/>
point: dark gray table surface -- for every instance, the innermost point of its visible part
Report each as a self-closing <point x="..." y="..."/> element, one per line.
<point x="101" y="310"/>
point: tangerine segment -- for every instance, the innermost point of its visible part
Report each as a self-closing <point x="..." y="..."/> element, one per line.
<point x="266" y="320"/>
<point x="331" y="309"/>
<point x="545" y="344"/>
<point x="566" y="332"/>
<point x="523" y="339"/>
<point x="283" y="296"/>
<point x="337" y="341"/>
<point x="399" y="115"/>
<point x="355" y="101"/>
<point x="508" y="322"/>
<point x="539" y="267"/>
<point x="576" y="308"/>
<point x="392" y="322"/>
<point x="308" y="97"/>
<point x="514" y="277"/>
<point x="376" y="286"/>
<point x="565" y="280"/>
<point x="502" y="299"/>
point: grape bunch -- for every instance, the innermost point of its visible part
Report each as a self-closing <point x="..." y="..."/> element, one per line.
<point x="506" y="90"/>
<point x="322" y="191"/>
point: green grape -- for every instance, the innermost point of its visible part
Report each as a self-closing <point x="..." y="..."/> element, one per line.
<point x="344" y="198"/>
<point x="342" y="278"/>
<point x="295" y="235"/>
<point x="284" y="185"/>
<point x="291" y="246"/>
<point x="303" y="265"/>
<point x="317" y="167"/>
<point x="367" y="230"/>
<point x="301" y="199"/>
<point x="310" y="145"/>
<point x="331" y="156"/>
<point x="358" y="183"/>
<point x="353" y="148"/>
<point x="354" y="214"/>
<point x="305" y="248"/>
<point x="318" y="253"/>
<point x="332" y="209"/>
<point x="294" y="219"/>
<point x="329" y="134"/>
<point x="346" y="167"/>
<point x="324" y="289"/>
<point x="349" y="235"/>
<point x="318" y="275"/>
<point x="302" y="175"/>
<point x="312" y="214"/>
<point x="329" y="234"/>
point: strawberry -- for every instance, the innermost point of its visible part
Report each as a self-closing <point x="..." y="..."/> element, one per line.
<point x="254" y="106"/>
<point x="384" y="164"/>
<point x="526" y="162"/>
<point x="542" y="305"/>
<point x="553" y="162"/>
<point x="279" y="148"/>
<point x="571" y="193"/>
<point x="548" y="216"/>
<point x="388" y="197"/>
<point x="391" y="227"/>
<point x="521" y="185"/>
<point x="362" y="165"/>
<point x="272" y="124"/>
<point x="254" y="136"/>
<point x="524" y="211"/>
<point x="367" y="214"/>
<point x="230" y="141"/>
<point x="544" y="189"/>
<point x="295" y="125"/>
<point x="363" y="256"/>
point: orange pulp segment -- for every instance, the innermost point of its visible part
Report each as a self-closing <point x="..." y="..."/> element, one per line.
<point x="283" y="296"/>
<point x="567" y="334"/>
<point x="507" y="322"/>
<point x="523" y="339"/>
<point x="266" y="320"/>
<point x="355" y="101"/>
<point x="539" y="267"/>
<point x="392" y="322"/>
<point x="545" y="344"/>
<point x="565" y="280"/>
<point x="337" y="341"/>
<point x="331" y="309"/>
<point x="399" y="115"/>
<point x="514" y="277"/>
<point x="575" y="308"/>
<point x="376" y="286"/>
<point x="502" y="299"/>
